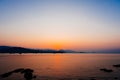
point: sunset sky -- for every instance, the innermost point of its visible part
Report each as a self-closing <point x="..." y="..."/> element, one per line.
<point x="60" y="24"/>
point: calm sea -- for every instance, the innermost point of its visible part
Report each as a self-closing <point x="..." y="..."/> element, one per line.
<point x="61" y="66"/>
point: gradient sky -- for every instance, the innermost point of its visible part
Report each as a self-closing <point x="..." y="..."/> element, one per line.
<point x="60" y="24"/>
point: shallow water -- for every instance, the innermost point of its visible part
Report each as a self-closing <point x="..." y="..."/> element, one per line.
<point x="61" y="66"/>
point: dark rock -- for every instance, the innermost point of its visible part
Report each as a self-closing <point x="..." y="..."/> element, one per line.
<point x="106" y="70"/>
<point x="34" y="76"/>
<point x="28" y="73"/>
<point x="6" y="74"/>
<point x="93" y="79"/>
<point x="19" y="70"/>
<point x="27" y="70"/>
<point x="117" y="65"/>
<point x="115" y="77"/>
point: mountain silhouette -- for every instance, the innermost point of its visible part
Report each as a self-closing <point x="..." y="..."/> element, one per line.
<point x="13" y="49"/>
<point x="10" y="49"/>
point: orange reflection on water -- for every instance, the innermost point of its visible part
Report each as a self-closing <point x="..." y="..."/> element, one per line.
<point x="57" y="59"/>
<point x="60" y="65"/>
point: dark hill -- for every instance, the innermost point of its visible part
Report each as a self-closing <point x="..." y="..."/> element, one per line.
<point x="10" y="49"/>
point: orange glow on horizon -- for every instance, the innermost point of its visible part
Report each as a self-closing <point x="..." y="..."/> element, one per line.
<point x="79" y="44"/>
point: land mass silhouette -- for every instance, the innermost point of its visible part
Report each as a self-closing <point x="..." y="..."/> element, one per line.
<point x="20" y="50"/>
<point x="11" y="49"/>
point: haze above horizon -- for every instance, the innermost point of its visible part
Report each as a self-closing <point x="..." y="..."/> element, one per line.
<point x="60" y="24"/>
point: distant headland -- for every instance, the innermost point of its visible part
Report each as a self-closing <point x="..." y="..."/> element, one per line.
<point x="20" y="50"/>
<point x="11" y="49"/>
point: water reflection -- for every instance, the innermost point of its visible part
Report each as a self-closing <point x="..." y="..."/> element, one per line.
<point x="62" y="65"/>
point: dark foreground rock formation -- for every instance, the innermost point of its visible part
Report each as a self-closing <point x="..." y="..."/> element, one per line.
<point x="28" y="73"/>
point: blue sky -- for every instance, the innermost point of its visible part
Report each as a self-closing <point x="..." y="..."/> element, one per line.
<point x="68" y="24"/>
